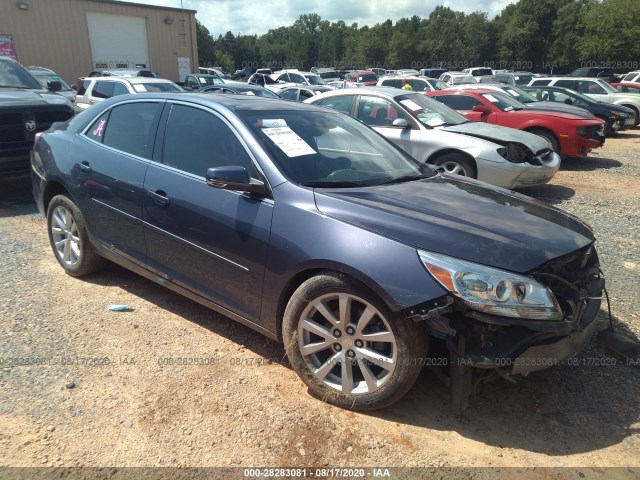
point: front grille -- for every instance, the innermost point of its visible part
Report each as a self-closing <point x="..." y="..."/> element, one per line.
<point x="573" y="279"/>
<point x="14" y="133"/>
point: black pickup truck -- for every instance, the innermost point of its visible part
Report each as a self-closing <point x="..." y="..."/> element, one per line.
<point x="25" y="109"/>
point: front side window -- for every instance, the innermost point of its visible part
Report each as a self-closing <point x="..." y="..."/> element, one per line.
<point x="563" y="83"/>
<point x="343" y="103"/>
<point x="196" y="140"/>
<point x="377" y="112"/>
<point x="289" y="94"/>
<point x="130" y="128"/>
<point x="119" y="89"/>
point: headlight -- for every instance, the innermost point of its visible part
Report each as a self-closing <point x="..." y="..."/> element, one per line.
<point x="492" y="291"/>
<point x="513" y="153"/>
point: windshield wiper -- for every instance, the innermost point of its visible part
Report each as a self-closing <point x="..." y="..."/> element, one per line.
<point x="407" y="178"/>
<point x="331" y="184"/>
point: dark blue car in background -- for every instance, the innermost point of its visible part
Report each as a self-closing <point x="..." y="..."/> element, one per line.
<point x="311" y="228"/>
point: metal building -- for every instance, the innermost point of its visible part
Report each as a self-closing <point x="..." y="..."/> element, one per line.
<point x="75" y="37"/>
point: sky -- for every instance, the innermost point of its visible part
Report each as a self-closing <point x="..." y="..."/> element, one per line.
<point x="248" y="17"/>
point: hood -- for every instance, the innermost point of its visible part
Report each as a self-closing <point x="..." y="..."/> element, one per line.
<point x="20" y="97"/>
<point x="498" y="134"/>
<point x="462" y="218"/>
<point x="560" y="107"/>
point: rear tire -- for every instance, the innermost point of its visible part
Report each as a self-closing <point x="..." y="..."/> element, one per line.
<point x="348" y="347"/>
<point x="69" y="240"/>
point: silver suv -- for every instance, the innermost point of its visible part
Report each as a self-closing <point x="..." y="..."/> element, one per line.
<point x="95" y="89"/>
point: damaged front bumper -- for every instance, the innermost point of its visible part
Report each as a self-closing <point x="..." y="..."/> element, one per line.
<point x="519" y="345"/>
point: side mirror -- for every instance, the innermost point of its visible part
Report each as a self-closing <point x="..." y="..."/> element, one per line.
<point x="568" y="101"/>
<point x="483" y="109"/>
<point x="54" y="85"/>
<point x="235" y="178"/>
<point x="401" y="123"/>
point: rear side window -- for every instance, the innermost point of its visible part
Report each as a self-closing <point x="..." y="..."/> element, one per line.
<point x="129" y="128"/>
<point x="395" y="82"/>
<point x="119" y="89"/>
<point x="96" y="131"/>
<point x="290" y="94"/>
<point x="542" y="83"/>
<point x="103" y="90"/>
<point x="196" y="140"/>
<point x="82" y="86"/>
<point x="564" y="83"/>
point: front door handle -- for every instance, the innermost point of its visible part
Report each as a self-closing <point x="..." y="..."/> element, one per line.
<point x="159" y="197"/>
<point x="84" y="167"/>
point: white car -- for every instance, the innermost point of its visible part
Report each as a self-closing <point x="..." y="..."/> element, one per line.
<point x="93" y="90"/>
<point x="596" y="88"/>
<point x="418" y="84"/>
<point x="457" y="78"/>
<point x="632" y="77"/>
<point x="434" y="133"/>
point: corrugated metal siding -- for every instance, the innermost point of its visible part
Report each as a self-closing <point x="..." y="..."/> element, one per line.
<point x="54" y="34"/>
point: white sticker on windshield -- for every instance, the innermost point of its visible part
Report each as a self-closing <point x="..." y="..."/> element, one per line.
<point x="491" y="98"/>
<point x="288" y="141"/>
<point x="513" y="92"/>
<point x="249" y="92"/>
<point x="411" y="105"/>
<point x="138" y="87"/>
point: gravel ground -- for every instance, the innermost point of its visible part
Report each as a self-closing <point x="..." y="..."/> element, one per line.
<point x="97" y="391"/>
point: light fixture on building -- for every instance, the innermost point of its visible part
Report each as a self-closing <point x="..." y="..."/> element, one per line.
<point x="168" y="20"/>
<point x="23" y="5"/>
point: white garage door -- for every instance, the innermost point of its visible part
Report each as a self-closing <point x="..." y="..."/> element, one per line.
<point x="118" y="41"/>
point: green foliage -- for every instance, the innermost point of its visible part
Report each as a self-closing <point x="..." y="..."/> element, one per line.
<point x="535" y="34"/>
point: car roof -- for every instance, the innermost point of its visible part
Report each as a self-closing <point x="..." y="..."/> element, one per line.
<point x="129" y="79"/>
<point x="473" y="91"/>
<point x="387" y="92"/>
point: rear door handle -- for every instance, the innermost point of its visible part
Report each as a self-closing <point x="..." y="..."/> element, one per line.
<point x="159" y="197"/>
<point x="84" y="167"/>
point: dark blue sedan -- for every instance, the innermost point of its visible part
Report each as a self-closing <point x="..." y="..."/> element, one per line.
<point x="306" y="225"/>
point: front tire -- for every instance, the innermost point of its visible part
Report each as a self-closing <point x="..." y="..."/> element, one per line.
<point x="348" y="347"/>
<point x="69" y="240"/>
<point x="456" y="164"/>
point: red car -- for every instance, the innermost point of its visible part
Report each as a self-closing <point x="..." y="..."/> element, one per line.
<point x="364" y="77"/>
<point x="567" y="133"/>
<point x="627" y="87"/>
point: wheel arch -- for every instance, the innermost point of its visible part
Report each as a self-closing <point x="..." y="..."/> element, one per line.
<point x="634" y="108"/>
<point x="539" y="128"/>
<point x="52" y="189"/>
<point x="302" y="276"/>
<point x="445" y="151"/>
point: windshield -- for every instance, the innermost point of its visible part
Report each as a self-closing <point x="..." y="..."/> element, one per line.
<point x="370" y="77"/>
<point x="328" y="149"/>
<point x="13" y="74"/>
<point x="43" y="78"/>
<point x="258" y="92"/>
<point x="430" y="112"/>
<point x="315" y="80"/>
<point x="437" y="84"/>
<point x="523" y="78"/>
<point x="462" y="79"/>
<point x="519" y="94"/>
<point x="503" y="101"/>
<point x="210" y="80"/>
<point x="607" y="87"/>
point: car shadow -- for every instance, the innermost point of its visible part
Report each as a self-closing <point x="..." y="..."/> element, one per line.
<point x="587" y="164"/>
<point x="583" y="405"/>
<point x="549" y="193"/>
<point x="16" y="197"/>
<point x="545" y="412"/>
<point x="116" y="276"/>
<point x="626" y="134"/>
